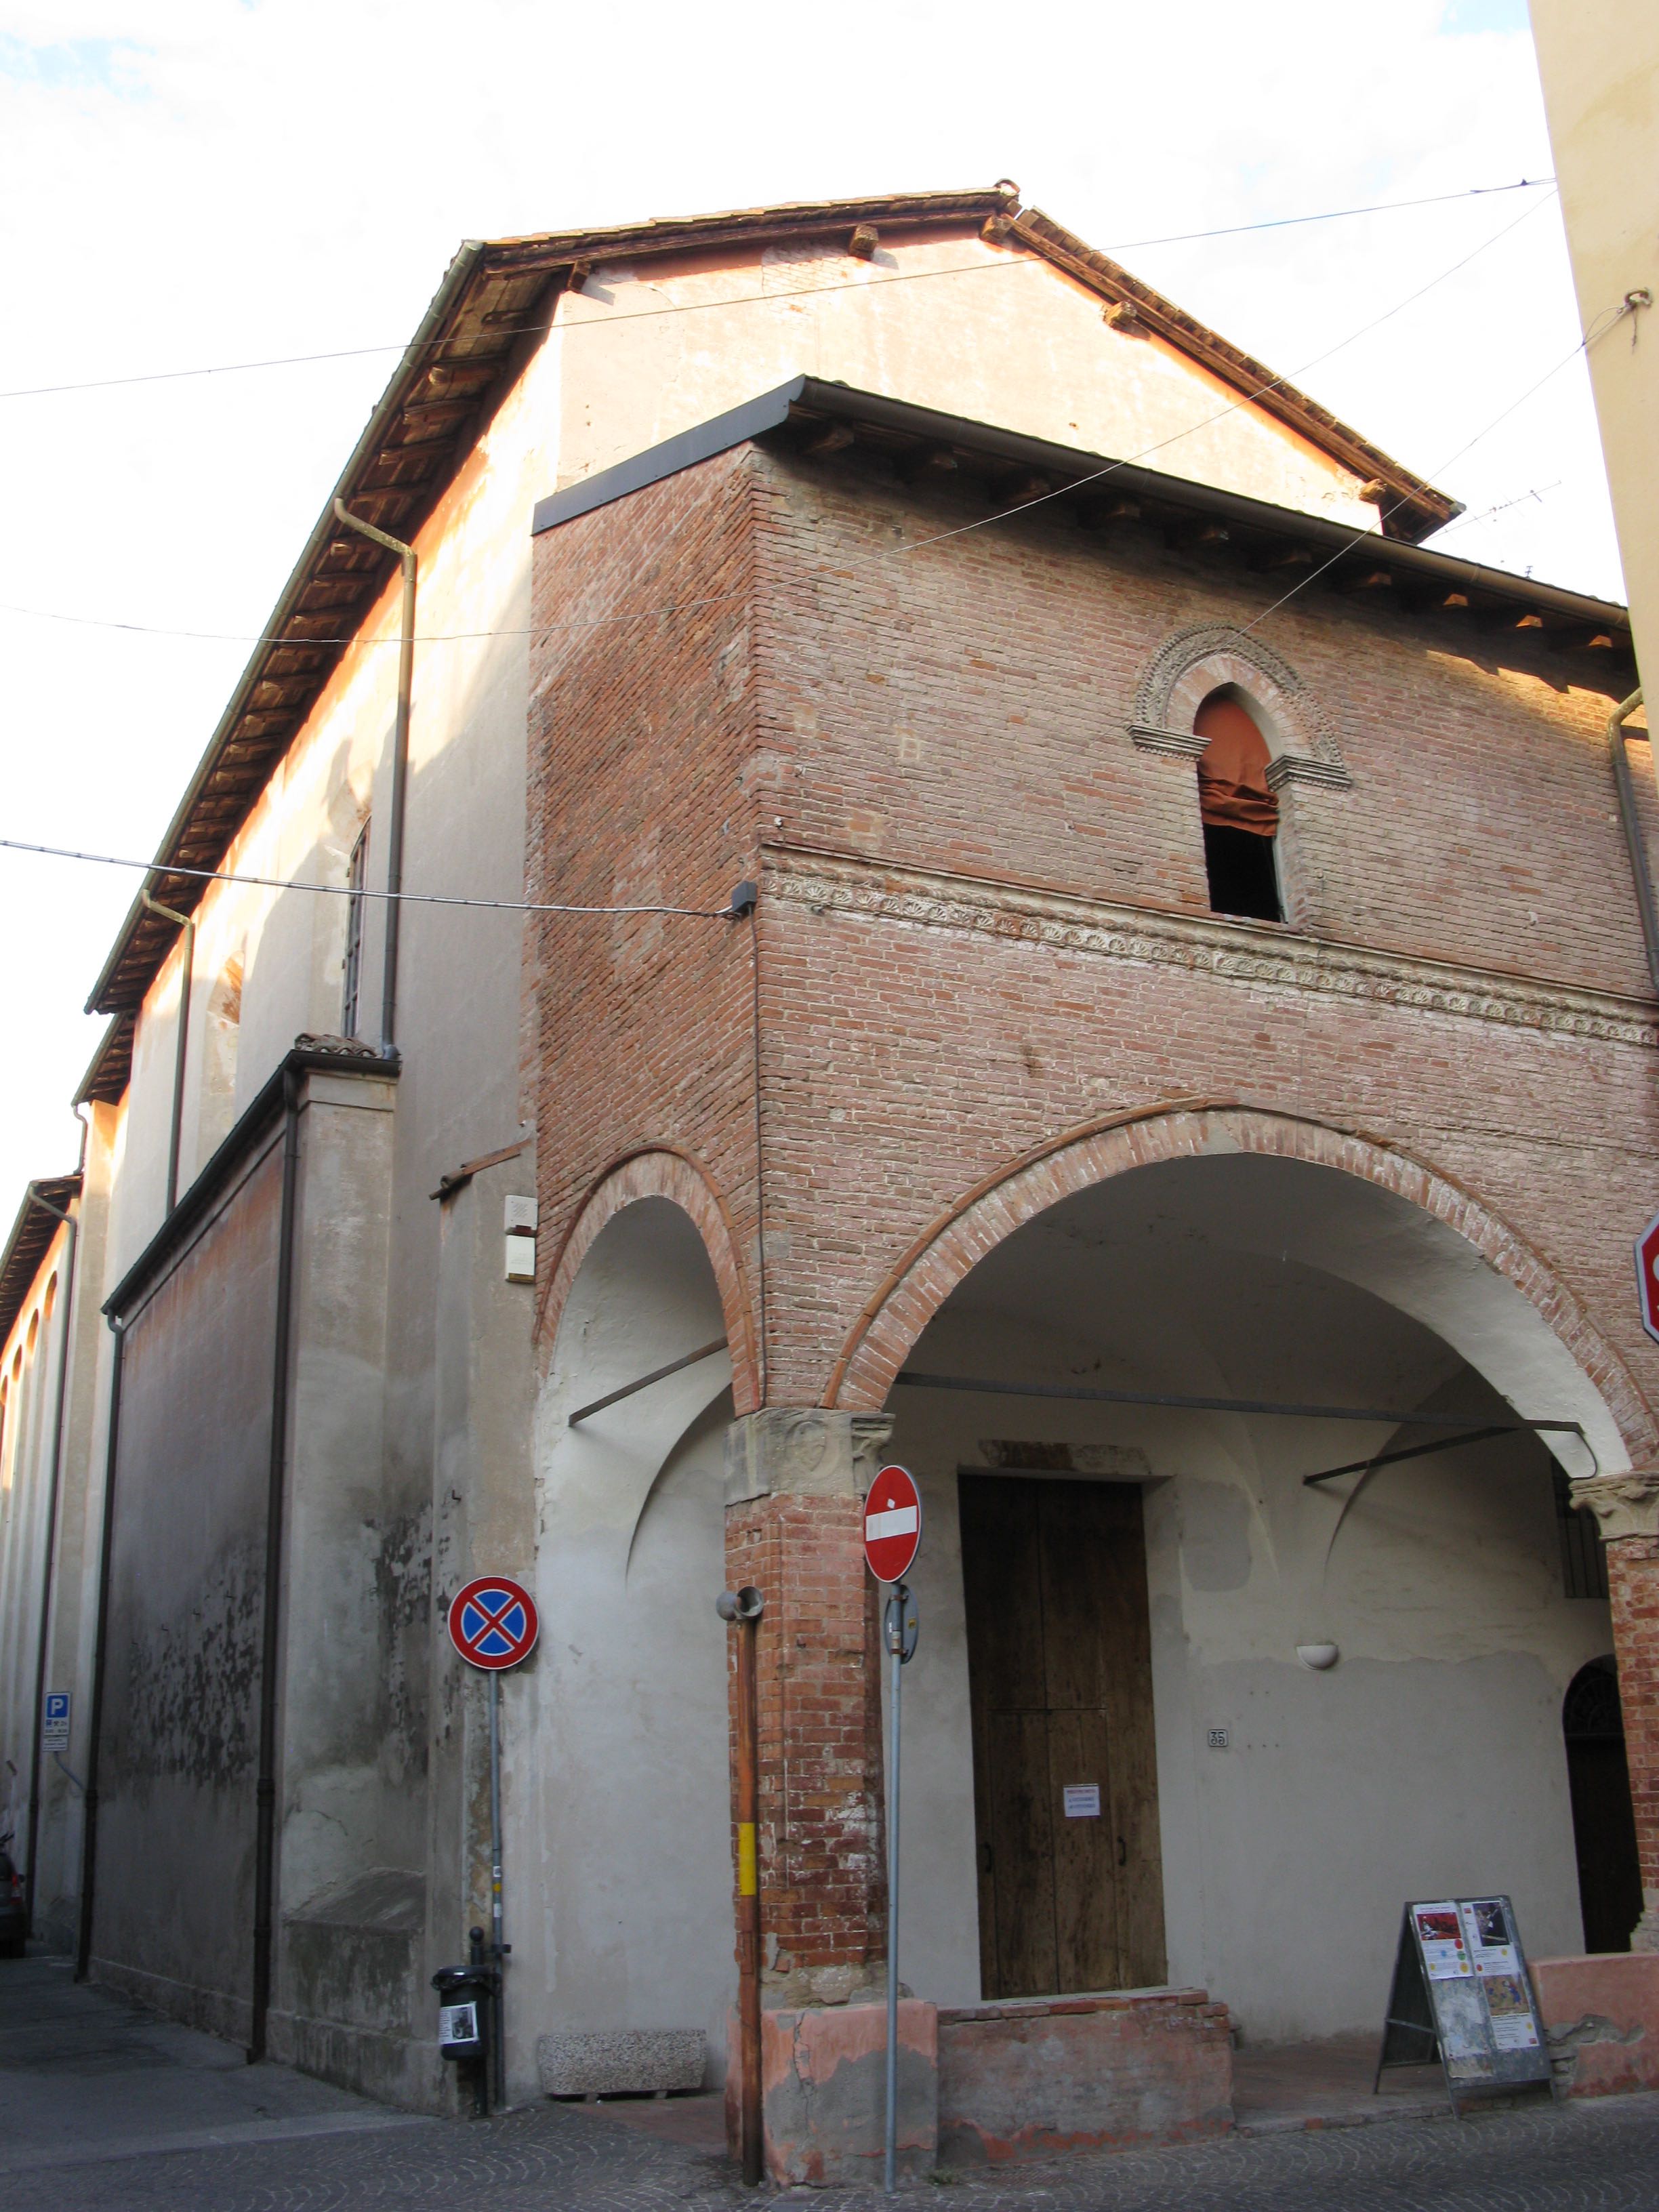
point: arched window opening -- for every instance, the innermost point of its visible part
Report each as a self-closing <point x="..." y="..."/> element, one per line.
<point x="1603" y="1823"/>
<point x="50" y="1301"/>
<point x="1239" y="812"/>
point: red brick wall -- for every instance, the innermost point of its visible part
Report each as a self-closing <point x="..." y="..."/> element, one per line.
<point x="639" y="1031"/>
<point x="825" y="1890"/>
<point x="960" y="709"/>
<point x="1633" y="1586"/>
<point x="957" y="712"/>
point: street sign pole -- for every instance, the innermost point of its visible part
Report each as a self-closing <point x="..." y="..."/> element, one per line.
<point x="498" y="1949"/>
<point x="892" y="1536"/>
<point x="899" y="1628"/>
<point x="493" y="1625"/>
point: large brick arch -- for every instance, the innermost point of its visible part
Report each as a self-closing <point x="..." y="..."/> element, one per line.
<point x="663" y="1173"/>
<point x="881" y="1339"/>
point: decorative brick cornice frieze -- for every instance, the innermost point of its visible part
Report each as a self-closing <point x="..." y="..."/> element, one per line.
<point x="1261" y="955"/>
<point x="1623" y="1504"/>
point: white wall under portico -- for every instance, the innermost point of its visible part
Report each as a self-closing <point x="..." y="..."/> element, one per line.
<point x="1430" y="1760"/>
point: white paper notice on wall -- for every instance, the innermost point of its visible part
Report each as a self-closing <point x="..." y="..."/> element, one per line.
<point x="1082" y="1801"/>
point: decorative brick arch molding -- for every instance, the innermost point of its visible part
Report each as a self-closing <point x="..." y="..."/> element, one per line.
<point x="892" y="1320"/>
<point x="678" y="1178"/>
<point x="1189" y="666"/>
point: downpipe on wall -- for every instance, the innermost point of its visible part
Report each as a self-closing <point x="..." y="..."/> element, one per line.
<point x="1632" y="827"/>
<point x="264" y="1830"/>
<point x="100" y="1647"/>
<point x="54" y="1485"/>
<point x="186" y="979"/>
<point x="394" y="850"/>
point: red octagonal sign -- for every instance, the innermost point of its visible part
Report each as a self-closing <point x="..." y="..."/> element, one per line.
<point x="892" y="1524"/>
<point x="1647" y="1275"/>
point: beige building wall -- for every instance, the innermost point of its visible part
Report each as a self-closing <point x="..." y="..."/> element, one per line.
<point x="1599" y="67"/>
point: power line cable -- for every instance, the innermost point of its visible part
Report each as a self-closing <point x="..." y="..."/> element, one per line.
<point x="749" y="299"/>
<point x="362" y="892"/>
<point x="1603" y="324"/>
<point x="1128" y="460"/>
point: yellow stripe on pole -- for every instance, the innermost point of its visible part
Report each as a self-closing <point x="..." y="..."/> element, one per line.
<point x="747" y="1885"/>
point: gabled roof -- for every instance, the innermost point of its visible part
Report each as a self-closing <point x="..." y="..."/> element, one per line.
<point x="30" y="1241"/>
<point x="490" y="313"/>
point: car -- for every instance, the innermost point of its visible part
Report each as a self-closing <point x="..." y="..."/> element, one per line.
<point x="14" y="1919"/>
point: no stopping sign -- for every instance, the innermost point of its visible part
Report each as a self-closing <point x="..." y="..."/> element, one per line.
<point x="492" y="1623"/>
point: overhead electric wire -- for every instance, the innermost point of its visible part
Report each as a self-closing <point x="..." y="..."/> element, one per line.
<point x="1245" y="399"/>
<point x="983" y="522"/>
<point x="742" y="299"/>
<point x="1603" y="323"/>
<point x="158" y="868"/>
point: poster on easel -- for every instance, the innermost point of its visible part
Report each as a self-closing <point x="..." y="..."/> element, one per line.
<point x="1463" y="1994"/>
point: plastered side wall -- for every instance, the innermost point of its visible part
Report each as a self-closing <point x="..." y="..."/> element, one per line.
<point x="990" y="332"/>
<point x="1600" y="69"/>
<point x="29" y="1364"/>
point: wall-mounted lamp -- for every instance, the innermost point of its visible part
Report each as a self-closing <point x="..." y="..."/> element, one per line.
<point x="1318" y="1657"/>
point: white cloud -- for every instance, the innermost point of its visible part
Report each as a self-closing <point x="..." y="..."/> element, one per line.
<point x="194" y="181"/>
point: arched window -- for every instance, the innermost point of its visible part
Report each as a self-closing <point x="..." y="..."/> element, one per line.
<point x="1239" y="812"/>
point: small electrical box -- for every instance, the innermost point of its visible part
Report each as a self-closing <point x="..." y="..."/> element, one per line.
<point x="520" y="1221"/>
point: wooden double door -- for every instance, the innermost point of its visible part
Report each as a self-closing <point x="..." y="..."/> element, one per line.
<point x="1071" y="1892"/>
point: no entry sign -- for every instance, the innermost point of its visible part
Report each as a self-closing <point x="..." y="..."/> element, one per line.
<point x="892" y="1524"/>
<point x="1647" y="1275"/>
<point x="492" y="1623"/>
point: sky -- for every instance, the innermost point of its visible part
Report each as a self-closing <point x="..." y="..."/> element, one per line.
<point x="192" y="184"/>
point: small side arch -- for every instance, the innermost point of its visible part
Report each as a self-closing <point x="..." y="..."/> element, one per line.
<point x="663" y="1173"/>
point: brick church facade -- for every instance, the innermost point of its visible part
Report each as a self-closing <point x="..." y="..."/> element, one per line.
<point x="1233" y="1238"/>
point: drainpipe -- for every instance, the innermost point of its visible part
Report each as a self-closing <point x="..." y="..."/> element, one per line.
<point x="265" y="1831"/>
<point x="89" y="1813"/>
<point x="394" y="852"/>
<point x="187" y="923"/>
<point x="53" y="1484"/>
<point x="1637" y="851"/>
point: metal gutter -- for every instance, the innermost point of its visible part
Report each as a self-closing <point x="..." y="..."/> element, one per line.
<point x="457" y="278"/>
<point x="809" y="399"/>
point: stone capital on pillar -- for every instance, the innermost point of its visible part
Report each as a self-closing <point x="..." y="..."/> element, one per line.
<point x="803" y="1452"/>
<point x="1623" y="1504"/>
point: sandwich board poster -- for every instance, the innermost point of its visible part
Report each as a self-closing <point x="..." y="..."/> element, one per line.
<point x="1462" y="1993"/>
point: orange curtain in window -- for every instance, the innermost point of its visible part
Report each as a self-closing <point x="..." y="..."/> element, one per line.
<point x="1232" y="770"/>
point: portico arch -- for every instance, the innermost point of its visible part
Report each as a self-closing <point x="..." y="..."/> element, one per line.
<point x="1439" y="1254"/>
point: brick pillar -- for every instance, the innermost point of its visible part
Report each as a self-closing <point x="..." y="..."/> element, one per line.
<point x="1627" y="1509"/>
<point x="794" y="1492"/>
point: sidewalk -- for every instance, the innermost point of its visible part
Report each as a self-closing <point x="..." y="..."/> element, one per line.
<point x="85" y="2075"/>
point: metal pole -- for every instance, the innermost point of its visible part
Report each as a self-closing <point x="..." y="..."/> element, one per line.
<point x="498" y="1950"/>
<point x="895" y="1649"/>
<point x="743" y="1609"/>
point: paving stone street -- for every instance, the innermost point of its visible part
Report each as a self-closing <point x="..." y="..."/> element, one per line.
<point x="104" y="2108"/>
